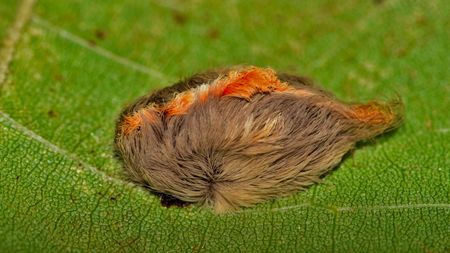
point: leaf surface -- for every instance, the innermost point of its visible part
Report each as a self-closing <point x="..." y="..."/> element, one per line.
<point x="78" y="63"/>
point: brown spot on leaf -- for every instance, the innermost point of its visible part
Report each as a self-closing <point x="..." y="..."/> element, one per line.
<point x="421" y="20"/>
<point x="213" y="33"/>
<point x="100" y="34"/>
<point x="58" y="77"/>
<point x="52" y="114"/>
<point x="179" y="17"/>
<point x="92" y="43"/>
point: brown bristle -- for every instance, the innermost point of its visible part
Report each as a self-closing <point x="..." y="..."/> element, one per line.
<point x="236" y="137"/>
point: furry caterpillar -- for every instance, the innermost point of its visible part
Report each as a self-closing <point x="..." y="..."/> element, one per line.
<point x="236" y="137"/>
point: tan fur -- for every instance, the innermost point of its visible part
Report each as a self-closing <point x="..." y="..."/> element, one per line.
<point x="255" y="143"/>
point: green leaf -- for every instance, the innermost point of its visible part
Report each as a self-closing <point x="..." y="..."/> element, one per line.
<point x="7" y="12"/>
<point x="78" y="63"/>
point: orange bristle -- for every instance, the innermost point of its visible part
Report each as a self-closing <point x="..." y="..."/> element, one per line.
<point x="134" y="121"/>
<point x="246" y="83"/>
<point x="180" y="104"/>
<point x="239" y="83"/>
<point x="130" y="123"/>
<point x="373" y="113"/>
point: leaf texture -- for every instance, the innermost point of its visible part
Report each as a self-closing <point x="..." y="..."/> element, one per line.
<point x="78" y="63"/>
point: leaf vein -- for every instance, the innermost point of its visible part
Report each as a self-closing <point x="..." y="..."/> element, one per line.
<point x="19" y="127"/>
<point x="343" y="209"/>
<point x="13" y="36"/>
<point x="99" y="50"/>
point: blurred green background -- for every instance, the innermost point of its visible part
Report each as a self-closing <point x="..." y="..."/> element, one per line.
<point x="77" y="63"/>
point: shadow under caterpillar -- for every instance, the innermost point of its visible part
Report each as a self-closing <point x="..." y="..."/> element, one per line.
<point x="235" y="137"/>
